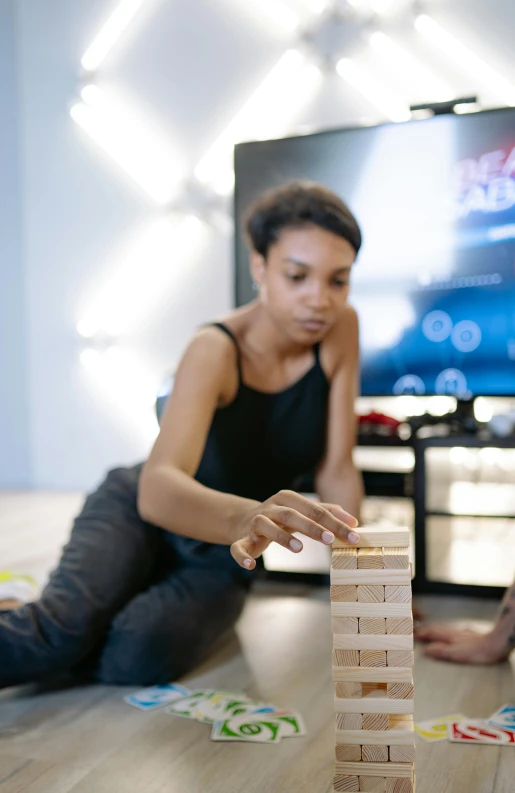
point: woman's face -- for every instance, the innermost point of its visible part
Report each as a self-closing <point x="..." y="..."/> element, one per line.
<point x="304" y="281"/>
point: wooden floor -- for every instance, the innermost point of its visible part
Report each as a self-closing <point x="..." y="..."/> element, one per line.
<point x="87" y="740"/>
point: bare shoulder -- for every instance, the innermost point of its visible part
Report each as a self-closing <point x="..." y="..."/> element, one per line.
<point x="340" y="346"/>
<point x="209" y="361"/>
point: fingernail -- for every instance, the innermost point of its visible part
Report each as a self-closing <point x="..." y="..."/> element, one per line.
<point x="353" y="537"/>
<point x="327" y="537"/>
<point x="247" y="562"/>
<point x="295" y="545"/>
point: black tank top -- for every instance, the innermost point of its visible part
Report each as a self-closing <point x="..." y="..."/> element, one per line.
<point x="264" y="442"/>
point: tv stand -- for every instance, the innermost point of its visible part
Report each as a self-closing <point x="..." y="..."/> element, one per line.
<point x="461" y="421"/>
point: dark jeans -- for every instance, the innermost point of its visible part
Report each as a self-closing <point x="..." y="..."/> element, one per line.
<point x="128" y="602"/>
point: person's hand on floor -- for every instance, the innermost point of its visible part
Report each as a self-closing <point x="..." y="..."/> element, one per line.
<point x="462" y="646"/>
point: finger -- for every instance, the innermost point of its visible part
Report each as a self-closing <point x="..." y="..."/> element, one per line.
<point x="292" y="520"/>
<point x="240" y="554"/>
<point x="262" y="526"/>
<point x="434" y="633"/>
<point x="348" y="520"/>
<point x="341" y="514"/>
<point x="311" y="512"/>
<point x="446" y="652"/>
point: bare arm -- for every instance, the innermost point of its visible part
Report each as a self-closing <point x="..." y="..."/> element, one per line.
<point x="337" y="479"/>
<point x="168" y="495"/>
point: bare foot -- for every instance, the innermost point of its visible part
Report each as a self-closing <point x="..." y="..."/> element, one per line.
<point x="9" y="605"/>
<point x="462" y="646"/>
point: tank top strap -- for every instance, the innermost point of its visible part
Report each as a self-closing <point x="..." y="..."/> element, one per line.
<point x="316" y="350"/>
<point x="231" y="335"/>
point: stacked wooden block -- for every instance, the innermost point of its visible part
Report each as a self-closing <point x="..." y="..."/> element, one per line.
<point x="372" y="662"/>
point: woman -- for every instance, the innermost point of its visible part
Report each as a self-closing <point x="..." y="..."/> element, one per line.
<point x="147" y="582"/>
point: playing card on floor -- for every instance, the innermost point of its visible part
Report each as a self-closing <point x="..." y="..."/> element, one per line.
<point x="156" y="696"/>
<point x="259" y="727"/>
<point x="190" y="707"/>
<point x="470" y="731"/>
<point x="436" y="729"/>
<point x="504" y="717"/>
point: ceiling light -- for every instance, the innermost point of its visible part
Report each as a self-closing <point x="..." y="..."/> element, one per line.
<point x="465" y="59"/>
<point x="377" y="92"/>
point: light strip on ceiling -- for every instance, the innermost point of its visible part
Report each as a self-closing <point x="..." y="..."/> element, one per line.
<point x="128" y="383"/>
<point x="109" y="34"/>
<point x="266" y="114"/>
<point x="465" y="59"/>
<point x="410" y="70"/>
<point x="375" y="91"/>
<point x="153" y="268"/>
<point x="132" y="143"/>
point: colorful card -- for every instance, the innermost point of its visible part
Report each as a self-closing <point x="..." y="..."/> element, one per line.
<point x="260" y="728"/>
<point x="469" y="731"/>
<point x="504" y="718"/>
<point x="436" y="729"/>
<point x="190" y="707"/>
<point x="156" y="696"/>
<point x="257" y="728"/>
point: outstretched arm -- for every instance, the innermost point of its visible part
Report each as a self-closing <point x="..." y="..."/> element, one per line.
<point x="469" y="646"/>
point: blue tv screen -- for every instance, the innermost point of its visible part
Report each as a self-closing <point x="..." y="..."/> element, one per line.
<point x="434" y="284"/>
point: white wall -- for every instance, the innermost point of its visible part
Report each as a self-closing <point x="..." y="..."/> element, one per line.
<point x="15" y="467"/>
<point x="189" y="67"/>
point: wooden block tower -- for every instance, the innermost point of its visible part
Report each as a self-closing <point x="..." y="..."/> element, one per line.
<point x="372" y="628"/>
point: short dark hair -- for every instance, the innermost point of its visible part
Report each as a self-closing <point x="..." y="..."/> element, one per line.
<point x="294" y="205"/>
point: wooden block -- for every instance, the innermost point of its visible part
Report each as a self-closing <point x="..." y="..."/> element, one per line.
<point x="383" y="738"/>
<point x="396" y="558"/>
<point x="349" y="721"/>
<point x="399" y="658"/>
<point x="362" y="641"/>
<point x="377" y="537"/>
<point x="372" y="784"/>
<point x="345" y="657"/>
<point x="348" y="690"/>
<point x="344" y="559"/>
<point x="345" y="752"/>
<point x="397" y="610"/>
<point x="399" y="786"/>
<point x="399" y="721"/>
<point x="395" y="770"/>
<point x="345" y="782"/>
<point x="371" y="753"/>
<point x="345" y="624"/>
<point x="374" y="689"/>
<point x="374" y="705"/>
<point x="370" y="559"/>
<point x="375" y="657"/>
<point x="390" y="577"/>
<point x="401" y="690"/>
<point x="370" y="594"/>
<point x="403" y="625"/>
<point x="372" y="625"/>
<point x="397" y="594"/>
<point x="344" y="594"/>
<point x="357" y="674"/>
<point x="402" y="754"/>
<point x="375" y="721"/>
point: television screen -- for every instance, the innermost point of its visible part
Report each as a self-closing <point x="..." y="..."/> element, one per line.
<point x="434" y="284"/>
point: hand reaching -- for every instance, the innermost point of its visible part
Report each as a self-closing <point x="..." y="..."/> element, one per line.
<point x="275" y="519"/>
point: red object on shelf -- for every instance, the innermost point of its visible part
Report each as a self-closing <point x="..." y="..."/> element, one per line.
<point x="379" y="418"/>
